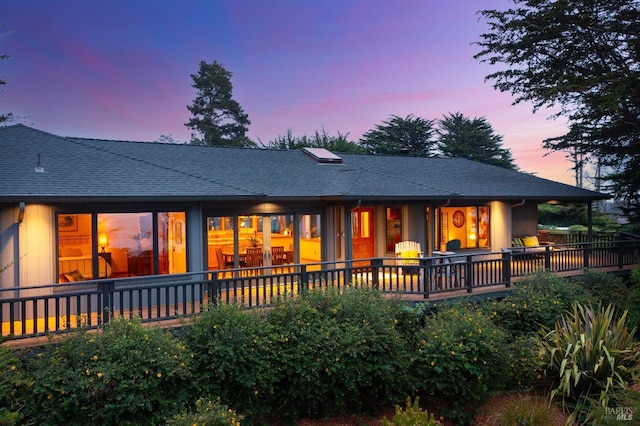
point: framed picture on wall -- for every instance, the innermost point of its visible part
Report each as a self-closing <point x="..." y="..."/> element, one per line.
<point x="67" y="222"/>
<point x="458" y="219"/>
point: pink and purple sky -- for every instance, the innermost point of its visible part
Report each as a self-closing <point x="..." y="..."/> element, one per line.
<point x="120" y="69"/>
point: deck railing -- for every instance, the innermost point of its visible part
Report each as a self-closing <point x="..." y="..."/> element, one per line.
<point x="56" y="308"/>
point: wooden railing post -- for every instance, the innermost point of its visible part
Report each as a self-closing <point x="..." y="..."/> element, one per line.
<point x="621" y="250"/>
<point x="106" y="290"/>
<point x="304" y="279"/>
<point x="587" y="253"/>
<point x="547" y="258"/>
<point x="426" y="265"/>
<point x="376" y="264"/>
<point x="213" y="289"/>
<point x="506" y="267"/>
<point x="468" y="274"/>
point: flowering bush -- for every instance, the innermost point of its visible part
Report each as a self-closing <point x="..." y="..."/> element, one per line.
<point x="538" y="300"/>
<point x="122" y="373"/>
<point x="461" y="356"/>
<point x="9" y="376"/>
<point x="233" y="354"/>
<point x="338" y="352"/>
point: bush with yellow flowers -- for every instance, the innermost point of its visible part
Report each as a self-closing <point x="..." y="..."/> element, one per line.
<point x="123" y="373"/>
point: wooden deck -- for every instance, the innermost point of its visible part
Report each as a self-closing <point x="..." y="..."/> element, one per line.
<point x="33" y="313"/>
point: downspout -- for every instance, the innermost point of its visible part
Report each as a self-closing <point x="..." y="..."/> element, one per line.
<point x="444" y="205"/>
<point x="357" y="206"/>
<point x="16" y="245"/>
<point x="21" y="208"/>
<point x="520" y="204"/>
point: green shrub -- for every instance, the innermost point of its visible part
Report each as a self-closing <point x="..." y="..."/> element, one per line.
<point x="122" y="374"/>
<point x="604" y="288"/>
<point x="635" y="277"/>
<point x="207" y="413"/>
<point x="633" y="304"/>
<point x="524" y="357"/>
<point x="461" y="356"/>
<point x="590" y="354"/>
<point x="338" y="352"/>
<point x="233" y="356"/>
<point x="9" y="377"/>
<point x="540" y="299"/>
<point x="412" y="416"/>
<point x="309" y="353"/>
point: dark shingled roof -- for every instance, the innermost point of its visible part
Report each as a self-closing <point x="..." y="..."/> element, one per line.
<point x="90" y="170"/>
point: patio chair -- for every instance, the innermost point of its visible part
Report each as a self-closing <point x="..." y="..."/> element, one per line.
<point x="408" y="254"/>
<point x="454" y="245"/>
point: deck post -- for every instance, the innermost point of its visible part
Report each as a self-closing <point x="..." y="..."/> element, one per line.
<point x="586" y="254"/>
<point x="106" y="290"/>
<point x="506" y="267"/>
<point x="213" y="289"/>
<point x="468" y="274"/>
<point x="426" y="264"/>
<point x="621" y="249"/>
<point x="304" y="278"/>
<point x="376" y="264"/>
<point x="547" y="258"/>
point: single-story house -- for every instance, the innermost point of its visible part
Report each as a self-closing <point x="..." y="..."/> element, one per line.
<point x="78" y="209"/>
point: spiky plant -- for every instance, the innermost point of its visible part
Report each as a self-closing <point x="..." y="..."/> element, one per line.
<point x="589" y="355"/>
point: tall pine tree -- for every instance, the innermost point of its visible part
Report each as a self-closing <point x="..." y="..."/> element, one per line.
<point x="401" y="136"/>
<point x="217" y="118"/>
<point x="472" y="138"/>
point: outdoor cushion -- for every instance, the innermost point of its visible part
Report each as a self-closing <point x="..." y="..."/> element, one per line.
<point x="410" y="254"/>
<point x="531" y="241"/>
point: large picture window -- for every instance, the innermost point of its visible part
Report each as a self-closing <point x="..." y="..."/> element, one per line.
<point x="117" y="245"/>
<point x="464" y="227"/>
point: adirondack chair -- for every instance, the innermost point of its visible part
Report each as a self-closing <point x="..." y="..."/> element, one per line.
<point x="408" y="254"/>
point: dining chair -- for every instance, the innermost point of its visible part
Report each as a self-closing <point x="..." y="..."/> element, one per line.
<point x="223" y="264"/>
<point x="277" y="256"/>
<point x="254" y="258"/>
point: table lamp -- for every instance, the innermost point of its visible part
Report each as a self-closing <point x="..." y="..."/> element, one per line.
<point x="102" y="241"/>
